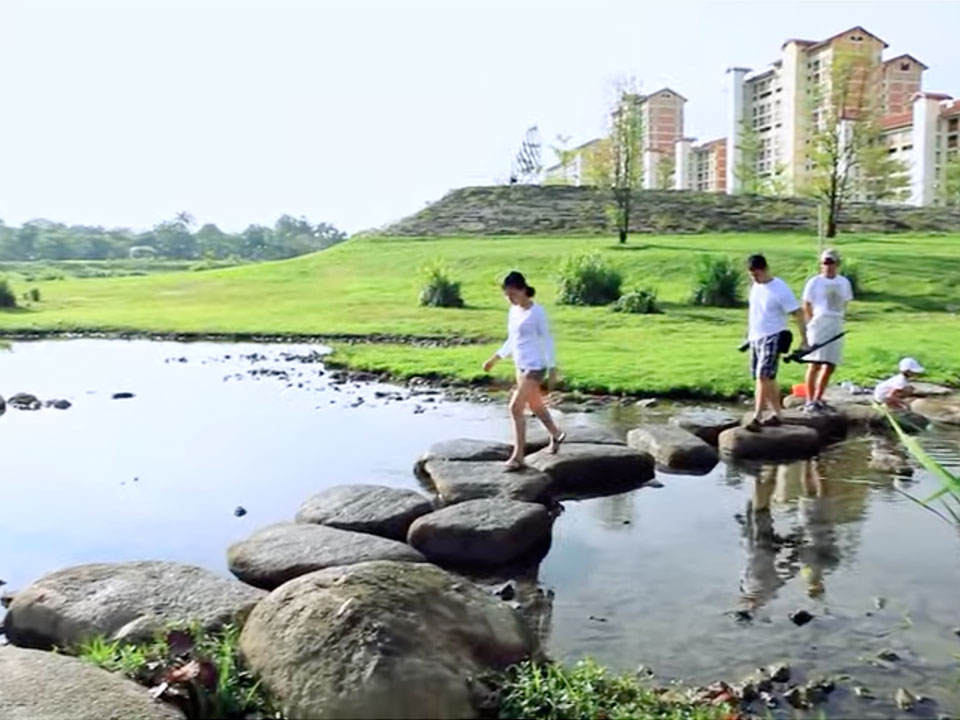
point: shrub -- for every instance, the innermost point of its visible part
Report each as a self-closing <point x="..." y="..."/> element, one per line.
<point x="642" y="302"/>
<point x="717" y="282"/>
<point x="7" y="297"/>
<point x="588" y="279"/>
<point x="853" y="273"/>
<point x="438" y="289"/>
<point x="33" y="295"/>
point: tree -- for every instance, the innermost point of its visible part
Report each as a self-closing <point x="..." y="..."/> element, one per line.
<point x="846" y="156"/>
<point x="665" y="171"/>
<point x="565" y="158"/>
<point x="173" y="238"/>
<point x="626" y="131"/>
<point x="746" y="170"/>
<point x="950" y="189"/>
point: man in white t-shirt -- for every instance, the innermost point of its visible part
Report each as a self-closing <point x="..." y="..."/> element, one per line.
<point x="771" y="301"/>
<point x="825" y="299"/>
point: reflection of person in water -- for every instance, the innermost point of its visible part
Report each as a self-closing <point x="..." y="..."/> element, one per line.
<point x="760" y="580"/>
<point x="819" y="552"/>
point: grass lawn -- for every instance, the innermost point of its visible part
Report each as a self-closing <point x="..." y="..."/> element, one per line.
<point x="370" y="285"/>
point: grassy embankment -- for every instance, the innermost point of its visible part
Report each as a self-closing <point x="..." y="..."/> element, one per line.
<point x="370" y="285"/>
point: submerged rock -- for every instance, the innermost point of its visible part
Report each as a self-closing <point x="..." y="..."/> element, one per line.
<point x="492" y="532"/>
<point x="780" y="672"/>
<point x="456" y="481"/>
<point x="705" y="424"/>
<point x="944" y="410"/>
<point x="673" y="448"/>
<point x="24" y="401"/>
<point x="278" y="553"/>
<point x="593" y="469"/>
<point x="905" y="699"/>
<point x="381" y="639"/>
<point x="800" y="617"/>
<point x="128" y="601"/>
<point x="36" y="684"/>
<point x="373" y="509"/>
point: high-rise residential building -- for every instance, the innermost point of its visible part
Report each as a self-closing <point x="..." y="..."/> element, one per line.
<point x="783" y="105"/>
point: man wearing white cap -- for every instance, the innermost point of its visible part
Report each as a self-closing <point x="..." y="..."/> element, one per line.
<point x="892" y="391"/>
<point x="825" y="299"/>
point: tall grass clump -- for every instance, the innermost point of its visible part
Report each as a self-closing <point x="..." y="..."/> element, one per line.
<point x="642" y="302"/>
<point x="201" y="672"/>
<point x="717" y="282"/>
<point x="7" y="297"/>
<point x="588" y="279"/>
<point x="949" y="493"/>
<point x="438" y="289"/>
<point x="587" y="691"/>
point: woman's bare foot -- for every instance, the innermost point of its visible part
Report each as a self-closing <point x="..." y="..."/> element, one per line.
<point x="556" y="441"/>
<point x="514" y="465"/>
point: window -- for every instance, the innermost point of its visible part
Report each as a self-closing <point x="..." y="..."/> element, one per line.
<point x="953" y="124"/>
<point x="904" y="66"/>
<point x="952" y="142"/>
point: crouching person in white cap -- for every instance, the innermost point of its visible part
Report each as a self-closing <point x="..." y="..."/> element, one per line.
<point x="825" y="299"/>
<point x="892" y="391"/>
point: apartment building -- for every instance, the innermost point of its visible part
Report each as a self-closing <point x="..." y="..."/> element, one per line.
<point x="703" y="167"/>
<point x="661" y="115"/>
<point x="784" y="103"/>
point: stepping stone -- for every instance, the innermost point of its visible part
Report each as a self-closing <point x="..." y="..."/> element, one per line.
<point x="464" y="450"/>
<point x="381" y="640"/>
<point x="830" y="424"/>
<point x="704" y="423"/>
<point x="944" y="410"/>
<point x="489" y="533"/>
<point x="925" y="389"/>
<point x="455" y="481"/>
<point x="584" y="469"/>
<point x="674" y="448"/>
<point x="538" y="438"/>
<point x="862" y="417"/>
<point x="786" y="442"/>
<point x="36" y="684"/>
<point x="278" y="553"/>
<point x="123" y="601"/>
<point x="372" y="509"/>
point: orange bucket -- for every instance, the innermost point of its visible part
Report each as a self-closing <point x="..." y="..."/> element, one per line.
<point x="799" y="390"/>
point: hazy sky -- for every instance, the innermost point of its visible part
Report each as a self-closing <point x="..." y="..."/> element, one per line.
<point x="358" y="113"/>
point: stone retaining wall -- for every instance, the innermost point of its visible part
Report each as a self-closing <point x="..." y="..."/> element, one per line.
<point x="520" y="210"/>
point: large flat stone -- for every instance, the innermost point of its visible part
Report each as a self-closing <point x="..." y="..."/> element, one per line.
<point x="939" y="409"/>
<point x="381" y="640"/>
<point x="926" y="389"/>
<point x="538" y="438"/>
<point x="278" y="553"/>
<point x="373" y="509"/>
<point x="38" y="685"/>
<point x="492" y="532"/>
<point x="455" y="481"/>
<point x="130" y="601"/>
<point x="786" y="442"/>
<point x="673" y="448"/>
<point x="581" y="469"/>
<point x="706" y="424"/>
<point x="830" y="424"/>
<point x="466" y="450"/>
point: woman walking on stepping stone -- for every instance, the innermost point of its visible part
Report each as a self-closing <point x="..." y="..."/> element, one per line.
<point x="530" y="344"/>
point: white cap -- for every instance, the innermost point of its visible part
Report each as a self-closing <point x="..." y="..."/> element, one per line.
<point x="830" y="254"/>
<point x="908" y="364"/>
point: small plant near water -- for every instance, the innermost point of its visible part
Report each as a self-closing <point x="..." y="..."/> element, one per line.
<point x="588" y="279"/>
<point x="200" y="672"/>
<point x="717" y="282"/>
<point x="7" y="297"/>
<point x="949" y="492"/>
<point x="588" y="691"/>
<point x="439" y="290"/>
<point x="642" y="302"/>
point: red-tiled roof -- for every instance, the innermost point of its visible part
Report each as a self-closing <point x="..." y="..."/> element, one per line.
<point x="933" y="96"/>
<point x="859" y="28"/>
<point x="951" y="110"/>
<point x="664" y="89"/>
<point x="900" y="120"/>
<point x="798" y="41"/>
<point x="908" y="56"/>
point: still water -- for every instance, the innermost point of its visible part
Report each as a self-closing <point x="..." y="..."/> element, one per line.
<point x="653" y="576"/>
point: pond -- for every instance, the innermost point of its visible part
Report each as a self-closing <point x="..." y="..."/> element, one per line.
<point x="653" y="576"/>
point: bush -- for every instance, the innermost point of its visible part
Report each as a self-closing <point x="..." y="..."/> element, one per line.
<point x="7" y="297"/>
<point x="33" y="295"/>
<point x="438" y="289"/>
<point x="852" y="272"/>
<point x="717" y="282"/>
<point x="642" y="302"/>
<point x="588" y="279"/>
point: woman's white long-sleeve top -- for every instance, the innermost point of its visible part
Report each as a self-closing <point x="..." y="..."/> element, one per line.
<point x="528" y="338"/>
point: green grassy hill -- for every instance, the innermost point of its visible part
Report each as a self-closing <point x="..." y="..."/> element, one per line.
<point x="370" y="286"/>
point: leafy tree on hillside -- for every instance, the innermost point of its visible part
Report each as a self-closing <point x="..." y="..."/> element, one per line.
<point x="950" y="189"/>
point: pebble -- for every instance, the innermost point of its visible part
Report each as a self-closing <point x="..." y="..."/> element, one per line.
<point x="239" y="511"/>
<point x="905" y="699"/>
<point x="800" y="617"/>
<point x="779" y="673"/>
<point x="122" y="395"/>
<point x="794" y="696"/>
<point x="507" y="591"/>
<point x="862" y="692"/>
<point x="888" y="655"/>
<point x="598" y="619"/>
<point x="880" y="603"/>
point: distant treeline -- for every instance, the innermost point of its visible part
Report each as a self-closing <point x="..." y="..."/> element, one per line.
<point x="175" y="239"/>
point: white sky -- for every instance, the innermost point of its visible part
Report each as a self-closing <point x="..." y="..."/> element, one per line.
<point x="122" y="113"/>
